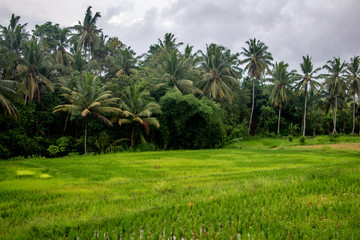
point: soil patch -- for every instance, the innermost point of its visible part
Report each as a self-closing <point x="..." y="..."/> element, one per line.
<point x="342" y="146"/>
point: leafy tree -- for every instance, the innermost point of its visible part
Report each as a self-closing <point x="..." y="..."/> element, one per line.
<point x="48" y="33"/>
<point x="31" y="68"/>
<point x="88" y="98"/>
<point x="138" y="112"/>
<point x="87" y="32"/>
<point x="219" y="69"/>
<point x="257" y="59"/>
<point x="353" y="71"/>
<point x="190" y="123"/>
<point x="281" y="78"/>
<point x="335" y="82"/>
<point x="307" y="83"/>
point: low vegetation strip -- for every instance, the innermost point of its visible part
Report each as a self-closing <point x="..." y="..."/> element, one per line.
<point x="206" y="194"/>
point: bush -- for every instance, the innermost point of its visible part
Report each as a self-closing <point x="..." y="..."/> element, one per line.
<point x="333" y="138"/>
<point x="61" y="149"/>
<point x="302" y="140"/>
<point x="53" y="150"/>
<point x="190" y="123"/>
<point x="4" y="152"/>
<point x="240" y="132"/>
<point x="290" y="138"/>
<point x="146" y="147"/>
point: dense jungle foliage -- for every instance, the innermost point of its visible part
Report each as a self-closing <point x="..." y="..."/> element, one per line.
<point x="77" y="90"/>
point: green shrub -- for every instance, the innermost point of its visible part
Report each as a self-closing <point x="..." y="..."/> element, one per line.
<point x="302" y="140"/>
<point x="239" y="132"/>
<point x="146" y="147"/>
<point x="62" y="147"/>
<point x="190" y="123"/>
<point x="290" y="138"/>
<point x="53" y="150"/>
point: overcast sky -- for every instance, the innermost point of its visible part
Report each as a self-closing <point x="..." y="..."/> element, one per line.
<point x="290" y="28"/>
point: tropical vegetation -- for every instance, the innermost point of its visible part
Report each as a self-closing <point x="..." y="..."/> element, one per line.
<point x="60" y="83"/>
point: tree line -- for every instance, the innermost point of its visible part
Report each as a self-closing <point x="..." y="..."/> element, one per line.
<point x="75" y="89"/>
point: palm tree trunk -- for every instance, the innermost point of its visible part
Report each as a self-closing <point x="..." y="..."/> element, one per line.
<point x="252" y="107"/>
<point x="132" y="137"/>
<point x="304" y="126"/>
<point x="66" y="122"/>
<point x="278" y="130"/>
<point x="353" y="130"/>
<point x="85" y="140"/>
<point x="334" y="116"/>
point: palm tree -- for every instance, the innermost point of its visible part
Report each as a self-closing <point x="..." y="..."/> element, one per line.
<point x="88" y="98"/>
<point x="307" y="83"/>
<point x="8" y="87"/>
<point x="14" y="34"/>
<point x="62" y="57"/>
<point x="88" y="33"/>
<point x="169" y="44"/>
<point x="11" y="39"/>
<point x="220" y="69"/>
<point x="179" y="73"/>
<point x="353" y="70"/>
<point x="335" y="82"/>
<point x="281" y="78"/>
<point x="137" y="112"/>
<point x="123" y="62"/>
<point x="258" y="59"/>
<point x="31" y="68"/>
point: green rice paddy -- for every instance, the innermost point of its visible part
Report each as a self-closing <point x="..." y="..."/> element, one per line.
<point x="247" y="193"/>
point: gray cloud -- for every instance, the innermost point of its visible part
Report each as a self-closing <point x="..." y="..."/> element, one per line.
<point x="291" y="29"/>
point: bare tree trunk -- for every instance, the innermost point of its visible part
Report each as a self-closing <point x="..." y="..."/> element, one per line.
<point x="304" y="126"/>
<point x="314" y="132"/>
<point x="334" y="117"/>
<point x="85" y="140"/>
<point x="253" y="106"/>
<point x="278" y="131"/>
<point x="353" y="130"/>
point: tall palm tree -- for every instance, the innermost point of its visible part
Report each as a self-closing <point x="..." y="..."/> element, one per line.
<point x="220" y="69"/>
<point x="87" y="32"/>
<point x="306" y="83"/>
<point x="257" y="59"/>
<point x="88" y="98"/>
<point x="281" y="78"/>
<point x="179" y="74"/>
<point x="169" y="44"/>
<point x="353" y="71"/>
<point x="137" y="112"/>
<point x="62" y="57"/>
<point x="31" y="68"/>
<point x="11" y="39"/>
<point x="335" y="82"/>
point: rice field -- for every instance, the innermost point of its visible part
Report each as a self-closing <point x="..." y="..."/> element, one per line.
<point x="246" y="192"/>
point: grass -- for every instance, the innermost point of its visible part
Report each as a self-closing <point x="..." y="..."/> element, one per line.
<point x="248" y="193"/>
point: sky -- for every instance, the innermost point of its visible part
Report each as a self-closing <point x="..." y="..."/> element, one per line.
<point x="291" y="29"/>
